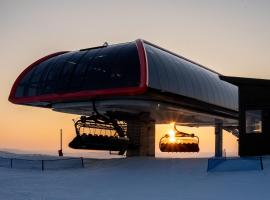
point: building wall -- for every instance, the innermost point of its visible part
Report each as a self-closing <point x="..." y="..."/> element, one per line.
<point x="254" y="98"/>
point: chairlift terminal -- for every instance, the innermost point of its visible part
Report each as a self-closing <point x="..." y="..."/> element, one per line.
<point x="122" y="90"/>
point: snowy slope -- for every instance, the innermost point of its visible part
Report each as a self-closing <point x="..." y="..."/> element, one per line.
<point x="135" y="178"/>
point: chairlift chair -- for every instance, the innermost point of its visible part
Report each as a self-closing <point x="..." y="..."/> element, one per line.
<point x="182" y="142"/>
<point x="103" y="134"/>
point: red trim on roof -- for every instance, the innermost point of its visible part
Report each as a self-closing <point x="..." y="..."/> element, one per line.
<point x="143" y="64"/>
<point x="88" y="94"/>
<point x="12" y="97"/>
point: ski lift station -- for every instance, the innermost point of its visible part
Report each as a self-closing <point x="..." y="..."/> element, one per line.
<point x="121" y="91"/>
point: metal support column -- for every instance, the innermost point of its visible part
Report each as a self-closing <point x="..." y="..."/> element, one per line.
<point x="218" y="138"/>
<point x="142" y="137"/>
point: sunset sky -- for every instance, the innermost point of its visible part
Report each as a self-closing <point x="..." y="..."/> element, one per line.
<point x="231" y="37"/>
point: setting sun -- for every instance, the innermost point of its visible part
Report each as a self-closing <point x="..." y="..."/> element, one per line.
<point x="172" y="136"/>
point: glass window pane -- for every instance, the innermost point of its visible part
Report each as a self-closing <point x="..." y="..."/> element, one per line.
<point x="77" y="78"/>
<point x="67" y="71"/>
<point x="100" y="68"/>
<point x="253" y="121"/>
<point x="35" y="79"/>
<point x="27" y="77"/>
<point x="19" y="91"/>
<point x="31" y="91"/>
<point x="43" y="78"/>
<point x="115" y="66"/>
<point x="52" y="79"/>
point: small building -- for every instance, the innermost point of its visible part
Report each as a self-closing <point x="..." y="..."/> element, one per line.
<point x="254" y="115"/>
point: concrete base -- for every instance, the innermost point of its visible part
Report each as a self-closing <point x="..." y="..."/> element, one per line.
<point x="142" y="136"/>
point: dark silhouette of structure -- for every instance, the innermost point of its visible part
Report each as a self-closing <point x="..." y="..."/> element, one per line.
<point x="254" y="115"/>
<point x="125" y="89"/>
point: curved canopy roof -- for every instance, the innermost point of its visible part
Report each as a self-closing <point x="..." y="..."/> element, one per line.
<point x="172" y="73"/>
<point x="124" y="69"/>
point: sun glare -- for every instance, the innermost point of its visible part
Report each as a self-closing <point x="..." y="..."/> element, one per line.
<point x="172" y="136"/>
<point x="172" y="123"/>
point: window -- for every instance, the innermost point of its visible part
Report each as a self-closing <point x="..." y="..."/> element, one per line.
<point x="66" y="73"/>
<point x="33" y="83"/>
<point x="24" y="82"/>
<point x="115" y="66"/>
<point x="253" y="121"/>
<point x="111" y="67"/>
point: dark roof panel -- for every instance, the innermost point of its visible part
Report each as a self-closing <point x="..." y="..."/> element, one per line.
<point x="171" y="73"/>
<point x="242" y="81"/>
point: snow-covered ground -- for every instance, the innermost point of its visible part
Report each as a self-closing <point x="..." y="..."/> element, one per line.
<point x="135" y="178"/>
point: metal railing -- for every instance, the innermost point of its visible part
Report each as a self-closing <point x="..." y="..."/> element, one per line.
<point x="42" y="164"/>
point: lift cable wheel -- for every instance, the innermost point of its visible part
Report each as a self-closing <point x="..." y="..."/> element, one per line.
<point x="100" y="132"/>
<point x="178" y="141"/>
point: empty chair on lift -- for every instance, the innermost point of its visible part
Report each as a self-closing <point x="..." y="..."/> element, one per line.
<point x="177" y="141"/>
<point x="102" y="141"/>
<point x="98" y="142"/>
